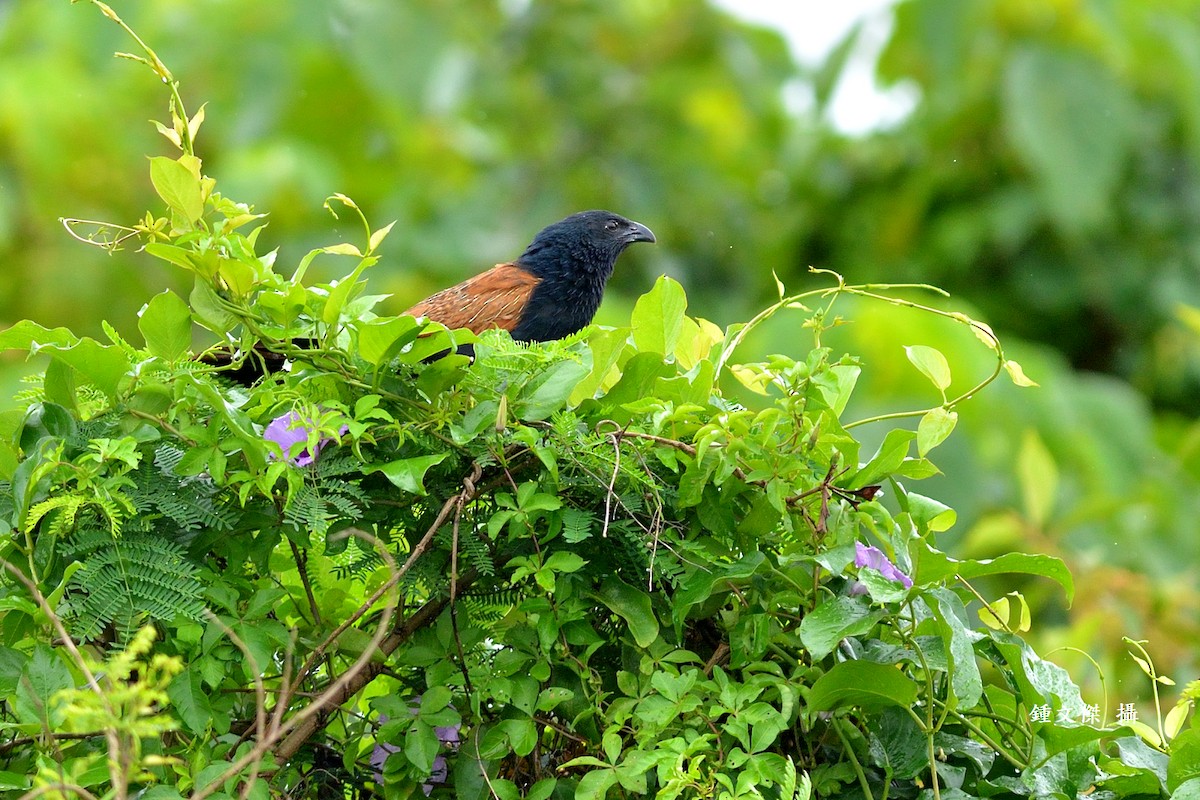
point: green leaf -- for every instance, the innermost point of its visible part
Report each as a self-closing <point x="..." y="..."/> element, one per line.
<point x="935" y="426"/>
<point x="1188" y="790"/>
<point x="421" y="745"/>
<point x="522" y="735"/>
<point x="1184" y="766"/>
<point x="408" y="473"/>
<point x="1017" y="375"/>
<point x="166" y="325"/>
<point x="547" y="392"/>
<point x="965" y="680"/>
<point x="595" y="785"/>
<point x="633" y="606"/>
<point x="934" y="566"/>
<point x="45" y="675"/>
<point x="101" y="365"/>
<point x="862" y="684"/>
<point x="178" y="186"/>
<point x="606" y="347"/>
<point x="834" y="620"/>
<point x="210" y="311"/>
<point x="887" y="459"/>
<point x="380" y="339"/>
<point x="341" y="291"/>
<point x="931" y="363"/>
<point x="658" y="317"/>
<point x="172" y="254"/>
<point x="11" y="781"/>
<point x="190" y="701"/>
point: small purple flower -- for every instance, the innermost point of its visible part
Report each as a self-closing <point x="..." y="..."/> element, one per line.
<point x="873" y="557"/>
<point x="447" y="734"/>
<point x="292" y="429"/>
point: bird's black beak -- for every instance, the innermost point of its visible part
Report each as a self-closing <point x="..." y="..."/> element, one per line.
<point x="639" y="233"/>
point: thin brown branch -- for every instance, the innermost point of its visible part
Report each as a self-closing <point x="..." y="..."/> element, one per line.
<point x="302" y="567"/>
<point x="301" y="727"/>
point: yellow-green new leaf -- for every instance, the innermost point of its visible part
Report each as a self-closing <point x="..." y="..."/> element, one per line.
<point x="178" y="187"/>
<point x="1017" y="375"/>
<point x="931" y="363"/>
<point x="166" y="325"/>
<point x="935" y="426"/>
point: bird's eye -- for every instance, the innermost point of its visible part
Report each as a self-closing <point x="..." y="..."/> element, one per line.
<point x="611" y="225"/>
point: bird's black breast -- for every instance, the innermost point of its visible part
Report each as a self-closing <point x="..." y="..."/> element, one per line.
<point x="559" y="307"/>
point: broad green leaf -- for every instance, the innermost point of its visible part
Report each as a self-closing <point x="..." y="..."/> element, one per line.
<point x="547" y="392"/>
<point x="178" y="186"/>
<point x="931" y="363"/>
<point x="632" y="605"/>
<point x="173" y="254"/>
<point x="45" y="675"/>
<point x="190" y="701"/>
<point x="1184" y="766"/>
<point x="522" y="735"/>
<point x="409" y="473"/>
<point x="658" y="317"/>
<point x="595" y="784"/>
<point x="639" y="377"/>
<point x="561" y="561"/>
<point x="11" y="781"/>
<point x="101" y="365"/>
<point x="935" y="426"/>
<point x="380" y="339"/>
<point x="697" y="338"/>
<point x="27" y="335"/>
<point x="421" y="745"/>
<point x="934" y="566"/>
<point x="166" y="325"/>
<point x="836" y="384"/>
<point x="862" y="684"/>
<point x="834" y="620"/>
<point x="887" y="459"/>
<point x="211" y="311"/>
<point x="606" y="347"/>
<point x="929" y="513"/>
<point x="965" y="679"/>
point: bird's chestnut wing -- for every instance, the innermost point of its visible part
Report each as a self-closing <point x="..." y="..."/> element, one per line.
<point x="492" y="299"/>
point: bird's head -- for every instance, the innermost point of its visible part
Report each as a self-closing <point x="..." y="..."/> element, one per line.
<point x="587" y="242"/>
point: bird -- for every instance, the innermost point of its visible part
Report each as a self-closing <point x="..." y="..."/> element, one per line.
<point x="551" y="290"/>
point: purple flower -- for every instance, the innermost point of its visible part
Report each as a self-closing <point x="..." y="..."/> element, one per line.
<point x="873" y="557"/>
<point x="447" y="734"/>
<point x="292" y="429"/>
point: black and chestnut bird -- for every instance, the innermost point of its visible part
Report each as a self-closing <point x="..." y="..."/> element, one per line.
<point x="551" y="291"/>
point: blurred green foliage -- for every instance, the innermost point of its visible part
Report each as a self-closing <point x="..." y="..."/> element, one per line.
<point x="1049" y="175"/>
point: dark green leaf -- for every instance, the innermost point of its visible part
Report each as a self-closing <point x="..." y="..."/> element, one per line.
<point x="834" y="620"/>
<point x="633" y="606"/>
<point x="862" y="684"/>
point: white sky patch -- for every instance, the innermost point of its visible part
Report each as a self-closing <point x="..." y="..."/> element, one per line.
<point x="812" y="28"/>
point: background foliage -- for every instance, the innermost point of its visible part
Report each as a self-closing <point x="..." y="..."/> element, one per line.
<point x="1048" y="176"/>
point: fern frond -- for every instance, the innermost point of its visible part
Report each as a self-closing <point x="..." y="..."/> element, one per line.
<point x="128" y="580"/>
